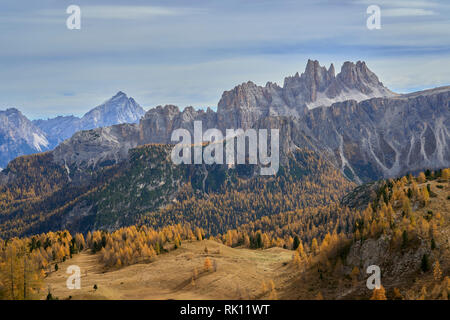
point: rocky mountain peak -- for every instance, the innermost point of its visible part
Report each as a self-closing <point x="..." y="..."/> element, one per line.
<point x="316" y="86"/>
<point x="246" y="95"/>
<point x="331" y="71"/>
<point x="119" y="94"/>
<point x="167" y="110"/>
<point x="12" y="111"/>
<point x="358" y="76"/>
<point x="118" y="109"/>
<point x="316" y="79"/>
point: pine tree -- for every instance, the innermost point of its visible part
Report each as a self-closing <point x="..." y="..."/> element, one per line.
<point x="315" y="246"/>
<point x="421" y="178"/>
<point x="425" y="264"/>
<point x="423" y="293"/>
<point x="397" y="294"/>
<point x="437" y="273"/>
<point x="433" y="244"/>
<point x="407" y="207"/>
<point x="426" y="196"/>
<point x="296" y="259"/>
<point x="273" y="293"/>
<point x="379" y="294"/>
<point x="264" y="288"/>
<point x="445" y="174"/>
<point x="296" y="243"/>
<point x="354" y="275"/>
<point x="207" y="265"/>
<point x="319" y="296"/>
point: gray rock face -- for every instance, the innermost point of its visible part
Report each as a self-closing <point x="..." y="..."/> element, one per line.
<point x="158" y="123"/>
<point x="385" y="137"/>
<point x="19" y="136"/>
<point x="98" y="147"/>
<point x="393" y="264"/>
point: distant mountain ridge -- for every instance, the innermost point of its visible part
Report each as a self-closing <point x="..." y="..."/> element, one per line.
<point x="119" y="109"/>
<point x="20" y="136"/>
<point x="368" y="131"/>
<point x="372" y="139"/>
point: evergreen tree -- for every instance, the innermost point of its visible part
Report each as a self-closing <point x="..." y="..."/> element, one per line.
<point x="425" y="264"/>
<point x="296" y="243"/>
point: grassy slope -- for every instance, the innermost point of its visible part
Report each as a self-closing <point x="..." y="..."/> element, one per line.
<point x="239" y="274"/>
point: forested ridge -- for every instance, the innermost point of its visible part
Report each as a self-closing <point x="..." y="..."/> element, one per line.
<point x="150" y="189"/>
<point x="408" y="217"/>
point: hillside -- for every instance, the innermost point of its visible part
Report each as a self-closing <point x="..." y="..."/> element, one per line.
<point x="148" y="188"/>
<point x="408" y="259"/>
<point x="305" y="254"/>
<point x="238" y="274"/>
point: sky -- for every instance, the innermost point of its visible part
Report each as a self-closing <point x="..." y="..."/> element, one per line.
<point x="187" y="53"/>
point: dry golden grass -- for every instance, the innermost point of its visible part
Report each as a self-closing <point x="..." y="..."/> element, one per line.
<point x="236" y="273"/>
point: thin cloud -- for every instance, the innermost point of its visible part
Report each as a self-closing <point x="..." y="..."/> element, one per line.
<point x="407" y="12"/>
<point x="401" y="3"/>
<point x="126" y="12"/>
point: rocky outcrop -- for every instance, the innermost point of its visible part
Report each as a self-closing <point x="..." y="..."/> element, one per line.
<point x="97" y="148"/>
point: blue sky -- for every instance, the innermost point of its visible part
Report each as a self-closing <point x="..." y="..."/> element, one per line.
<point x="189" y="52"/>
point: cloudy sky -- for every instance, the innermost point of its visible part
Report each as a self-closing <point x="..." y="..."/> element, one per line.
<point x="189" y="52"/>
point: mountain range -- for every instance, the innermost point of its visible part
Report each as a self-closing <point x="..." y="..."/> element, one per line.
<point x="335" y="131"/>
<point x="20" y="136"/>
<point x="379" y="137"/>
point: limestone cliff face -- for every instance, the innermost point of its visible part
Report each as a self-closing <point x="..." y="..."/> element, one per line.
<point x="385" y="137"/>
